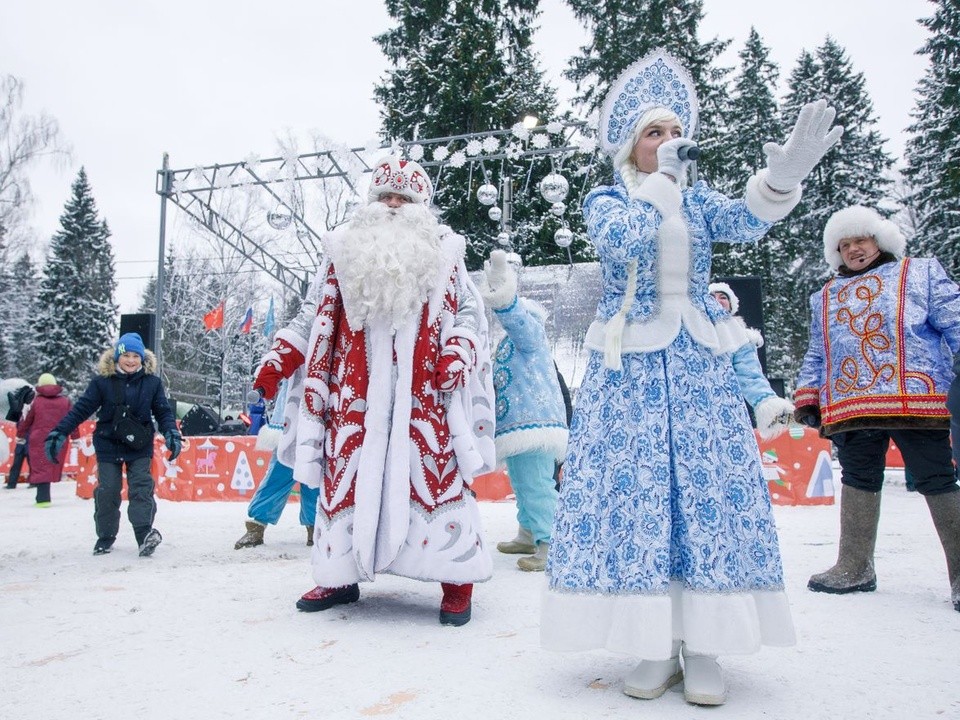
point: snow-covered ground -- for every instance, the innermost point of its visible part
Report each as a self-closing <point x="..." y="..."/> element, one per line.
<point x="201" y="630"/>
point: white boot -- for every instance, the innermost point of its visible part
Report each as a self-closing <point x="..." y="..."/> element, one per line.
<point x="652" y="678"/>
<point x="522" y="544"/>
<point x="702" y="680"/>
<point x="536" y="562"/>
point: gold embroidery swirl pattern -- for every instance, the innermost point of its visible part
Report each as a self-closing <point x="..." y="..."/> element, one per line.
<point x="863" y="372"/>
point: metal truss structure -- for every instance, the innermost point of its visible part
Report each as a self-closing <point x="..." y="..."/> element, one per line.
<point x="288" y="247"/>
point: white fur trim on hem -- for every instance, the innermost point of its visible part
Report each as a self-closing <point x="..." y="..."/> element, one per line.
<point x="645" y="626"/>
<point x="542" y="439"/>
<point x="767" y="204"/>
<point x="725" y="336"/>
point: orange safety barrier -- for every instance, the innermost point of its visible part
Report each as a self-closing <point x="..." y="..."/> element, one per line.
<point x="796" y="466"/>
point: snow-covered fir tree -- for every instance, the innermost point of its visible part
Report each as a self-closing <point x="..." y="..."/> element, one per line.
<point x="459" y="67"/>
<point x="76" y="314"/>
<point x="856" y="171"/>
<point x="623" y="31"/>
<point x="754" y="119"/>
<point x="933" y="151"/>
<point x="19" y="351"/>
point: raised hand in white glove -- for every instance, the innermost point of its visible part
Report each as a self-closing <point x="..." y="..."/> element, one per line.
<point x="500" y="287"/>
<point x="810" y="139"/>
<point x="668" y="157"/>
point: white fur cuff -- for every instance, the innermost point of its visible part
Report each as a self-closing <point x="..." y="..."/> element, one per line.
<point x="773" y="414"/>
<point x="767" y="204"/>
<point x="502" y="296"/>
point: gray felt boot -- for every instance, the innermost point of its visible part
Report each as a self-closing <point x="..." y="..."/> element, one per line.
<point x="945" y="511"/>
<point x="252" y="537"/>
<point x="522" y="544"/>
<point x="859" y="515"/>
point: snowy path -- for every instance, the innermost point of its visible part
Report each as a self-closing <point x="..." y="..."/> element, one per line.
<point x="203" y="631"/>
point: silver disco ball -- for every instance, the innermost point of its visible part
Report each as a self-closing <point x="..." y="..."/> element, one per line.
<point x="503" y="238"/>
<point x="558" y="209"/>
<point x="563" y="237"/>
<point x="554" y="188"/>
<point x="495" y="213"/>
<point x="280" y="218"/>
<point x="487" y="194"/>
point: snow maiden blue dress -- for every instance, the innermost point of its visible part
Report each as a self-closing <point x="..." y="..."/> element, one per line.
<point x="664" y="530"/>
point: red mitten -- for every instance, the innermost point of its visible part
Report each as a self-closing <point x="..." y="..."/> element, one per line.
<point x="450" y="372"/>
<point x="277" y="364"/>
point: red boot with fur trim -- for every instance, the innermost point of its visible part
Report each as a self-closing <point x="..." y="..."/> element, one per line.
<point x="455" y="606"/>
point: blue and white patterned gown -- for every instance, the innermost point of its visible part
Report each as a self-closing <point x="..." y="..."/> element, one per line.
<point x="664" y="528"/>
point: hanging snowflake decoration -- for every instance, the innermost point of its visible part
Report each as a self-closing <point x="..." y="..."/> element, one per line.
<point x="280" y="218"/>
<point x="252" y="163"/>
<point x="474" y="148"/>
<point x="513" y="151"/>
<point x="487" y="194"/>
<point x="555" y="127"/>
<point x="372" y="145"/>
<point x="563" y="237"/>
<point x="495" y="213"/>
<point x="491" y="145"/>
<point x="558" y="209"/>
<point x="503" y="238"/>
<point x="440" y="153"/>
<point x="587" y="145"/>
<point x="554" y="188"/>
<point x="415" y="152"/>
<point x="520" y="131"/>
<point x="196" y="176"/>
<point x="458" y="159"/>
<point x="540" y="141"/>
<point x="223" y="179"/>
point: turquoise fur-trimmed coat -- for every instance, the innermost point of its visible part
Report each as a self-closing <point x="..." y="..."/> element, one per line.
<point x="531" y="416"/>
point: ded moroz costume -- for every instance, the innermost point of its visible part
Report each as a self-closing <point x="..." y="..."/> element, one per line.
<point x="394" y="399"/>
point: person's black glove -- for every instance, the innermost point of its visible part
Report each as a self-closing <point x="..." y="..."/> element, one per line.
<point x="53" y="445"/>
<point x="174" y="443"/>
<point x="17" y="400"/>
<point x="808" y="415"/>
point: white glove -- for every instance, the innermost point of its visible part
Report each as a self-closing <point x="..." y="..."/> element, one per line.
<point x="668" y="157"/>
<point x="810" y="139"/>
<point x="495" y="269"/>
<point x="499" y="288"/>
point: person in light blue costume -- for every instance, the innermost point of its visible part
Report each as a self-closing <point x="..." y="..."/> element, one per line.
<point x="772" y="412"/>
<point x="270" y="499"/>
<point x="664" y="538"/>
<point x="531" y="429"/>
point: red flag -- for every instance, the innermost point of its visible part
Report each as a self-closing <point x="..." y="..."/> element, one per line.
<point x="214" y="319"/>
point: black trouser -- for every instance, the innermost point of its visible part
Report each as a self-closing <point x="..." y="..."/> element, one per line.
<point x="926" y="454"/>
<point x="141" y="507"/>
<point x="43" y="492"/>
<point x="19" y="455"/>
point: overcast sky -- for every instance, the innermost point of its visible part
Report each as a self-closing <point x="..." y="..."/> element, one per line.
<point x="214" y="80"/>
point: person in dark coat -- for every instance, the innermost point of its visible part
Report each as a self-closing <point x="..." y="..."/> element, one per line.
<point x="126" y="377"/>
<point x="48" y="409"/>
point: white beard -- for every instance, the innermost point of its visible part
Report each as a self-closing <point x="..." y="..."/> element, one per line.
<point x="387" y="261"/>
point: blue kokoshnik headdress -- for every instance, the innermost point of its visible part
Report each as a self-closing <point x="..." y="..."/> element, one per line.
<point x="656" y="80"/>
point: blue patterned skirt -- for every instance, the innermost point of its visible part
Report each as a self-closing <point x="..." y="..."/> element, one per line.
<point x="664" y="528"/>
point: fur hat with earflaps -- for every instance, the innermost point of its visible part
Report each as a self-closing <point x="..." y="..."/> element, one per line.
<point x="860" y="221"/>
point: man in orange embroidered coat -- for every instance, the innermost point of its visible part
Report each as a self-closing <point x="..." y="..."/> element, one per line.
<point x="390" y="366"/>
<point x="882" y="336"/>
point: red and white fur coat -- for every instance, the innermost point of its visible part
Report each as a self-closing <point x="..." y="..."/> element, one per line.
<point x="392" y="456"/>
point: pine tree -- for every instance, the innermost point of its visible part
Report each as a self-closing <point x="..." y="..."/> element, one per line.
<point x="20" y="351"/>
<point x="460" y="67"/>
<point x="76" y="313"/>
<point x="854" y="172"/>
<point x="754" y="119"/>
<point x="623" y="31"/>
<point x="933" y="151"/>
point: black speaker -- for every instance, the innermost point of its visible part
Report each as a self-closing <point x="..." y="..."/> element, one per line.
<point x="200" y="420"/>
<point x="233" y="427"/>
<point x="749" y="290"/>
<point x="144" y="324"/>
